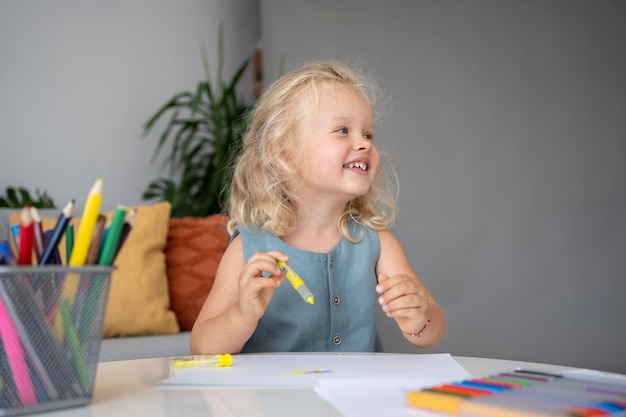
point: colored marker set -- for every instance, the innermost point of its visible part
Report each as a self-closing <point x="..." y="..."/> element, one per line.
<point x="524" y="393"/>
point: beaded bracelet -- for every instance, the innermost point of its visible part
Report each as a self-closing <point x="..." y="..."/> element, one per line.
<point x="419" y="334"/>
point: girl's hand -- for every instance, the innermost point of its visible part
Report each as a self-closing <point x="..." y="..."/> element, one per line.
<point x="404" y="298"/>
<point x="258" y="279"/>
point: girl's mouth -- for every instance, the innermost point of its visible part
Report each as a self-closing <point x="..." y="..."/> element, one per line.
<point x="357" y="165"/>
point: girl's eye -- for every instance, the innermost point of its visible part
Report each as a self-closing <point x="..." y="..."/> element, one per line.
<point x="344" y="130"/>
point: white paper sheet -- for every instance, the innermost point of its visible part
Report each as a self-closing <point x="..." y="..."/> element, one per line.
<point x="306" y="370"/>
<point x="357" y="398"/>
<point x="593" y="375"/>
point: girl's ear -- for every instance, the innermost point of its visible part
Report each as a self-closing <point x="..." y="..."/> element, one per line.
<point x="272" y="153"/>
<point x="279" y="156"/>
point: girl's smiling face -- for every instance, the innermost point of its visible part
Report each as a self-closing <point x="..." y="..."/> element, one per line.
<point x="338" y="156"/>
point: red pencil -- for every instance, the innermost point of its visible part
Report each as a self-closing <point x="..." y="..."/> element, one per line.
<point x="39" y="242"/>
<point x="25" y="253"/>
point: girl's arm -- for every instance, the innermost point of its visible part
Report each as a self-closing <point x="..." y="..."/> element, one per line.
<point x="404" y="297"/>
<point x="236" y="302"/>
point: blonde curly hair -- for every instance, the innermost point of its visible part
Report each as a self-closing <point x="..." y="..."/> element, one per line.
<point x="265" y="164"/>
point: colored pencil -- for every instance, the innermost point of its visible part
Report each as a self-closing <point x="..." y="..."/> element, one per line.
<point x="74" y="343"/>
<point x="83" y="238"/>
<point x="80" y="251"/>
<point x="7" y="253"/>
<point x="523" y="394"/>
<point x="69" y="241"/>
<point x="25" y="253"/>
<point x="38" y="242"/>
<point x="25" y="320"/>
<point x="113" y="236"/>
<point x="86" y="226"/>
<point x="96" y="241"/>
<point x="58" y="232"/>
<point x="15" y="356"/>
<point x="129" y="223"/>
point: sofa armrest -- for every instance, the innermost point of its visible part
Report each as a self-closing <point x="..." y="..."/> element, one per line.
<point x="140" y="347"/>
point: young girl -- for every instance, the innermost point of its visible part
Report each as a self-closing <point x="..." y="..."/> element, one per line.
<point x="308" y="189"/>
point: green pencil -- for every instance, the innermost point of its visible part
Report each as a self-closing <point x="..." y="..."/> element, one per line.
<point x="69" y="242"/>
<point x="113" y="236"/>
<point x="74" y="344"/>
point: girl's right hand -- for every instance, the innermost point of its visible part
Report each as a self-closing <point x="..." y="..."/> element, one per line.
<point x="258" y="279"/>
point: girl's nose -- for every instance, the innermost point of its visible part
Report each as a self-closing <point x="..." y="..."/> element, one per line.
<point x="362" y="144"/>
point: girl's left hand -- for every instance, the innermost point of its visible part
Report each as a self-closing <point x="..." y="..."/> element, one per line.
<point x="404" y="298"/>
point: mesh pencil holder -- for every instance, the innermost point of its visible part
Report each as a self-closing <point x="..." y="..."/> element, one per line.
<point x="51" y="320"/>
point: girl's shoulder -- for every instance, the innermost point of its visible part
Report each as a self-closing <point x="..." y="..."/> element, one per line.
<point x="255" y="239"/>
<point x="386" y="236"/>
<point x="248" y="229"/>
<point x="359" y="230"/>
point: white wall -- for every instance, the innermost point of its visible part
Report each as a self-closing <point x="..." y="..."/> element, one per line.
<point x="78" y="79"/>
<point x="508" y="131"/>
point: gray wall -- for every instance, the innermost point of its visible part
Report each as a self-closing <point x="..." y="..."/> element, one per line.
<point x="78" y="79"/>
<point x="508" y="132"/>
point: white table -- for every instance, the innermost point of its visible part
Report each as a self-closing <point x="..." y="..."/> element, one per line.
<point x="129" y="388"/>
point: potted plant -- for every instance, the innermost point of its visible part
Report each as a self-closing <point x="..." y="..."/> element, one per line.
<point x="203" y="132"/>
<point x="18" y="197"/>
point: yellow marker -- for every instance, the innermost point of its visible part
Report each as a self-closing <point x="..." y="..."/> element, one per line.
<point x="296" y="282"/>
<point x="178" y="363"/>
<point x="202" y="361"/>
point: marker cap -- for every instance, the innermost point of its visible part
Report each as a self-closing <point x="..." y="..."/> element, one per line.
<point x="225" y="360"/>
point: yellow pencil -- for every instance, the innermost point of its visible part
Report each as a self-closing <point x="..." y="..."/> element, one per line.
<point x="87" y="225"/>
<point x="83" y="239"/>
<point x="80" y="251"/>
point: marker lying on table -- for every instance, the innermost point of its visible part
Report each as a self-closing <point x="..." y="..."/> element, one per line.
<point x="201" y="361"/>
<point x="296" y="282"/>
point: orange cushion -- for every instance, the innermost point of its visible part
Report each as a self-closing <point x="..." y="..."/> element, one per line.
<point x="194" y="248"/>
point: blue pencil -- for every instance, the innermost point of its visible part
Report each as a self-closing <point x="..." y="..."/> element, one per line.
<point x="59" y="230"/>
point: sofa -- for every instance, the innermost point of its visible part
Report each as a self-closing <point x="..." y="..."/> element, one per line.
<point x="140" y="347"/>
<point x="162" y="276"/>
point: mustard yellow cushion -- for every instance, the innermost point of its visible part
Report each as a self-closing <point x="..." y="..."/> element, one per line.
<point x="139" y="302"/>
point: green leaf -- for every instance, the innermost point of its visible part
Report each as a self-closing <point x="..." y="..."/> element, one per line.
<point x="174" y="102"/>
<point x="18" y="197"/>
<point x="202" y="132"/>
